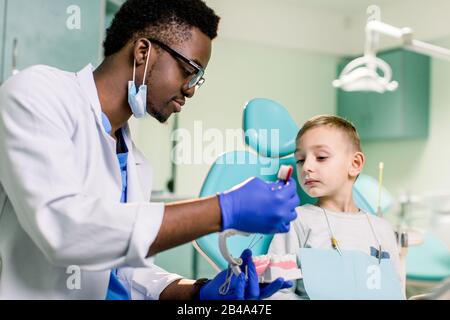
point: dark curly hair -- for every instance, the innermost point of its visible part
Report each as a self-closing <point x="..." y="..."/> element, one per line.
<point x="169" y="21"/>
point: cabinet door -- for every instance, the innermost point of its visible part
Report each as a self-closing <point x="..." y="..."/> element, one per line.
<point x="66" y="34"/>
<point x="402" y="114"/>
<point x="2" y="24"/>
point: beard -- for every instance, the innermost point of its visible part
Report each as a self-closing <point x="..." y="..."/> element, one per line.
<point x="159" y="115"/>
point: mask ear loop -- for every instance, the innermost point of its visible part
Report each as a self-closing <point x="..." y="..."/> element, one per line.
<point x="146" y="66"/>
<point x="134" y="72"/>
<point x="146" y="63"/>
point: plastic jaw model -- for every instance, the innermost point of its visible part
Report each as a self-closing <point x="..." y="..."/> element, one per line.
<point x="270" y="267"/>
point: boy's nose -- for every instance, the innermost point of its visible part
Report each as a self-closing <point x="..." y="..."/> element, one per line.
<point x="308" y="166"/>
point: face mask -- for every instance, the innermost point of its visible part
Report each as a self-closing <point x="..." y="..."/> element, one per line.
<point x="138" y="99"/>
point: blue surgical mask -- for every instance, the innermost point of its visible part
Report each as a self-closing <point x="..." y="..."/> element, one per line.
<point x="138" y="99"/>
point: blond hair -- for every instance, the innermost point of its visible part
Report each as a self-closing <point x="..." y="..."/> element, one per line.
<point x="335" y="122"/>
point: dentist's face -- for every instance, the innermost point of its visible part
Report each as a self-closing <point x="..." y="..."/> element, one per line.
<point x="324" y="158"/>
<point x="168" y="81"/>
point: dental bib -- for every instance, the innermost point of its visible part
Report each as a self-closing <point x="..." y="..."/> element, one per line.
<point x="354" y="275"/>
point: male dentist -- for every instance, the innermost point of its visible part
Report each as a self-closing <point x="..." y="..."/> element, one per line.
<point x="75" y="191"/>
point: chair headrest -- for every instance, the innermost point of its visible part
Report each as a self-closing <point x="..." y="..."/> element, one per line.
<point x="269" y="129"/>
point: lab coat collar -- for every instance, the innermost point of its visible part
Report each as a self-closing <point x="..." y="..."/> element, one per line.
<point x="87" y="83"/>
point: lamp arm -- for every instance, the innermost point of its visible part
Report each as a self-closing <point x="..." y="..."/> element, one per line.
<point x="406" y="36"/>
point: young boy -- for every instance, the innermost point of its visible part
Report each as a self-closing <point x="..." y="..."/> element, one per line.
<point x="329" y="160"/>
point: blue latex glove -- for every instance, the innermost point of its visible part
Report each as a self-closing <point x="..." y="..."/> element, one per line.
<point x="255" y="290"/>
<point x="240" y="288"/>
<point x="259" y="207"/>
<point x="210" y="290"/>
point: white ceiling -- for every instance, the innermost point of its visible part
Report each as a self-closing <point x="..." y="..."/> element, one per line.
<point x="343" y="6"/>
<point x="327" y="26"/>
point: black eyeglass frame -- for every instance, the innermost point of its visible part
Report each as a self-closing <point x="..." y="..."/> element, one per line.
<point x="198" y="80"/>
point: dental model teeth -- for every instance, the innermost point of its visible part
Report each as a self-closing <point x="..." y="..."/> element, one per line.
<point x="270" y="267"/>
<point x="261" y="263"/>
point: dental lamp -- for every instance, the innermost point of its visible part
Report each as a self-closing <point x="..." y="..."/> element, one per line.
<point x="362" y="73"/>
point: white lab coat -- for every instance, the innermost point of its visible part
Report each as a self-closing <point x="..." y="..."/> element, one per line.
<point x="60" y="188"/>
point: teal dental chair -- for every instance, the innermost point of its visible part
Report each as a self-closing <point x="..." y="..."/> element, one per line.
<point x="429" y="262"/>
<point x="270" y="132"/>
<point x="427" y="267"/>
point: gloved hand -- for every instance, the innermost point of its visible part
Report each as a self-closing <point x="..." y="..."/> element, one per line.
<point x="240" y="288"/>
<point x="259" y="207"/>
<point x="255" y="290"/>
<point x="236" y="290"/>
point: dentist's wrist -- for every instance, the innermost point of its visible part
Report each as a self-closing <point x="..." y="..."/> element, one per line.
<point x="198" y="285"/>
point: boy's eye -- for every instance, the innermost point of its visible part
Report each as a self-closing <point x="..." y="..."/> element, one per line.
<point x="300" y="161"/>
<point x="322" y="158"/>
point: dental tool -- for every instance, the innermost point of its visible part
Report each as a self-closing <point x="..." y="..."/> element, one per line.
<point x="335" y="245"/>
<point x="380" y="185"/>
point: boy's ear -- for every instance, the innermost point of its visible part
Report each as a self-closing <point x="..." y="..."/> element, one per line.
<point x="357" y="164"/>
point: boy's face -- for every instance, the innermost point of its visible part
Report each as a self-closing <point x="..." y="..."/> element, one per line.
<point x="326" y="162"/>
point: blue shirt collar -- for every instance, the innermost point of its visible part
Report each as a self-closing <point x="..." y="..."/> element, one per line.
<point x="106" y="124"/>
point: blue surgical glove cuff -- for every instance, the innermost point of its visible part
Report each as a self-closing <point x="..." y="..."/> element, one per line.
<point x="226" y="208"/>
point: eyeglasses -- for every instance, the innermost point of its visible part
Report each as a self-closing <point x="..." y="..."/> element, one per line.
<point x="197" y="79"/>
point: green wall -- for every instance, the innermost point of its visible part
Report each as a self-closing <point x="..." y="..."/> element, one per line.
<point x="44" y="37"/>
<point x="2" y="25"/>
